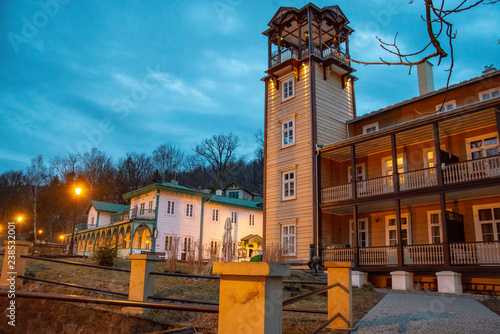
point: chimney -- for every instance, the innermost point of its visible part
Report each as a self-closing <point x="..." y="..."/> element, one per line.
<point x="174" y="182"/>
<point x="425" y="78"/>
<point x="489" y="69"/>
<point x="218" y="192"/>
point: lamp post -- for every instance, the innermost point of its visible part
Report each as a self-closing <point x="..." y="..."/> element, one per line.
<point x="19" y="219"/>
<point x="78" y="191"/>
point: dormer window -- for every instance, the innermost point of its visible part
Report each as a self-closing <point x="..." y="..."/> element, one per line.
<point x="447" y="106"/>
<point x="489" y="94"/>
<point x="370" y="128"/>
<point x="288" y="89"/>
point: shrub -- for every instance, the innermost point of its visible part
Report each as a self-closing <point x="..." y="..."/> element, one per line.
<point x="256" y="258"/>
<point x="367" y="287"/>
<point x="105" y="256"/>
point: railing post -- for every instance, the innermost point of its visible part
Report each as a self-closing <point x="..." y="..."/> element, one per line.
<point x="141" y="282"/>
<point x="251" y="296"/>
<point x="13" y="264"/>
<point x="340" y="298"/>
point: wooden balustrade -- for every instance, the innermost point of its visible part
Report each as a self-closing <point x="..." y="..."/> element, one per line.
<point x="466" y="253"/>
<point x="472" y="170"/>
<point x="418" y="179"/>
<point x="336" y="194"/>
<point x="375" y="187"/>
<point x="423" y="255"/>
<point x="378" y="256"/>
<point x="338" y="255"/>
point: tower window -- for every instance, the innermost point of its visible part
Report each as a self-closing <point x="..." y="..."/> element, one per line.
<point x="288" y="132"/>
<point x="288" y="185"/>
<point x="288" y="89"/>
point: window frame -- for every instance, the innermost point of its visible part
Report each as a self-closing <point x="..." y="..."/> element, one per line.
<point x="190" y="210"/>
<point x="370" y="126"/>
<point x="234" y="217"/>
<point x="366" y="230"/>
<point x="453" y="104"/>
<point x="478" y="223"/>
<point x="469" y="140"/>
<point x="488" y="91"/>
<point x="168" y="211"/>
<point x="430" y="225"/>
<point x="215" y="214"/>
<point x="288" y="236"/>
<point x="287" y="131"/>
<point x="406" y="226"/>
<point x="251" y="219"/>
<point x="285" y="90"/>
<point x="287" y="182"/>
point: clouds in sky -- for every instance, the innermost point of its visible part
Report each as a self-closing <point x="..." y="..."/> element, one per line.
<point x="130" y="75"/>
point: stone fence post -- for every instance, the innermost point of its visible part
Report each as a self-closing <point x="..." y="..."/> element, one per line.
<point x="13" y="264"/>
<point x="251" y="296"/>
<point x="340" y="298"/>
<point x="142" y="284"/>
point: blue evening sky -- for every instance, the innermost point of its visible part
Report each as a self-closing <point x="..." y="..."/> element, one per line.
<point x="128" y="76"/>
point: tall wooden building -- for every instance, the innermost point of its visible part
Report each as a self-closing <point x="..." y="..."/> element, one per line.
<point x="419" y="178"/>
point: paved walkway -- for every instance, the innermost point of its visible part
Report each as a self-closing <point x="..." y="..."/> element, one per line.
<point x="415" y="312"/>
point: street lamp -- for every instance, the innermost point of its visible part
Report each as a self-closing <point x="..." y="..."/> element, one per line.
<point x="78" y="191"/>
<point x="19" y="219"/>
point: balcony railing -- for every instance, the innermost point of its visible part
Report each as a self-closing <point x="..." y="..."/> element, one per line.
<point x="338" y="255"/>
<point x="423" y="255"/>
<point x="280" y="56"/>
<point x="378" y="256"/>
<point x="461" y="254"/>
<point x="471" y="170"/>
<point x="481" y="253"/>
<point x="137" y="213"/>
<point x="120" y="217"/>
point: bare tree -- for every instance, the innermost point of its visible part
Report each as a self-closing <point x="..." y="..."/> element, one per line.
<point x="219" y="152"/>
<point x="97" y="168"/>
<point x="134" y="171"/>
<point x="37" y="176"/>
<point x="168" y="160"/>
<point x="67" y="167"/>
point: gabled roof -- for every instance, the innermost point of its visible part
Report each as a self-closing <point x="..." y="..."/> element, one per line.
<point x="425" y="96"/>
<point x="107" y="207"/>
<point x="235" y="184"/>
<point x="235" y="202"/>
<point x="251" y="236"/>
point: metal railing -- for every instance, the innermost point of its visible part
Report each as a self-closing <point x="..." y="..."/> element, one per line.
<point x="142" y="214"/>
<point x="120" y="217"/>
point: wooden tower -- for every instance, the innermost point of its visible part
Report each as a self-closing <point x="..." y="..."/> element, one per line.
<point x="309" y="98"/>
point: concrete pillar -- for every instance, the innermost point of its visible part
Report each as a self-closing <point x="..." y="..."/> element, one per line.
<point x="359" y="278"/>
<point x="13" y="264"/>
<point x="340" y="298"/>
<point x="251" y="296"/>
<point x="142" y="284"/>
<point x="449" y="282"/>
<point x="402" y="280"/>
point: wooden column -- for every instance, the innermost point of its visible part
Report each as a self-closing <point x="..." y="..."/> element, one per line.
<point x="269" y="52"/>
<point x="437" y="149"/>
<point x="497" y="116"/>
<point x="446" y="245"/>
<point x="355" y="239"/>
<point x="309" y="27"/>
<point x="399" y="245"/>
<point x="300" y="41"/>
<point x="395" y="173"/>
<point x="353" y="172"/>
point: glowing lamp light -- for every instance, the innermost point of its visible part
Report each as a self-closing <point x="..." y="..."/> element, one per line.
<point x="78" y="191"/>
<point x="19" y="219"/>
<point x="40" y="231"/>
<point x="61" y="237"/>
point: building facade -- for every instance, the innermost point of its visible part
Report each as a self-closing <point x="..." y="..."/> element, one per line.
<point x="420" y="178"/>
<point x="172" y="219"/>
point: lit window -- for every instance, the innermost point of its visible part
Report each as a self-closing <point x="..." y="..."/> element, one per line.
<point x="170" y="207"/>
<point x="288" y="130"/>
<point x="189" y="210"/>
<point x="288" y="238"/>
<point x="489" y="94"/>
<point x="370" y="128"/>
<point x="288" y="89"/>
<point x="288" y="183"/>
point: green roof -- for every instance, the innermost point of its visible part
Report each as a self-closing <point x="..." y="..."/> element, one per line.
<point x="236" y="202"/>
<point x="107" y="207"/>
